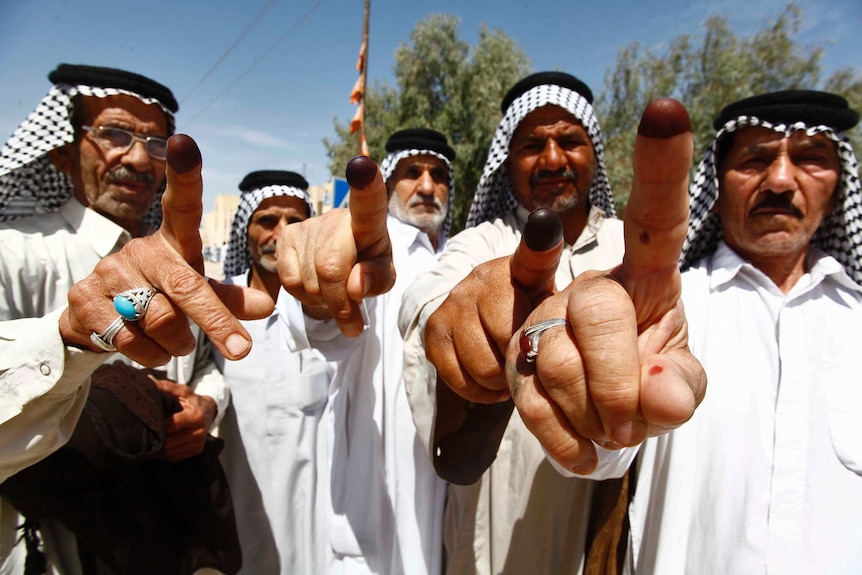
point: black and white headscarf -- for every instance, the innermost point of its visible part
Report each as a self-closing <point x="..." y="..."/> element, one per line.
<point x="840" y="233"/>
<point x="494" y="196"/>
<point x="238" y="257"/>
<point x="389" y="163"/>
<point x="29" y="181"/>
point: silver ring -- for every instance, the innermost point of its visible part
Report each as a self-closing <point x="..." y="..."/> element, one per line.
<point x="105" y="340"/>
<point x="132" y="304"/>
<point x="529" y="338"/>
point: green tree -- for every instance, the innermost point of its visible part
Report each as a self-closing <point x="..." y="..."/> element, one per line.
<point x="444" y="84"/>
<point x="706" y="72"/>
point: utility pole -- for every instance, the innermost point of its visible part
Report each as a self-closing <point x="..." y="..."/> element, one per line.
<point x="363" y="145"/>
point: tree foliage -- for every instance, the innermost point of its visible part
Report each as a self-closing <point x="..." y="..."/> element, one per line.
<point x="706" y="72"/>
<point x="445" y="84"/>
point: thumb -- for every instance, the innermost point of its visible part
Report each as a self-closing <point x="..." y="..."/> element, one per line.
<point x="534" y="263"/>
<point x="168" y="387"/>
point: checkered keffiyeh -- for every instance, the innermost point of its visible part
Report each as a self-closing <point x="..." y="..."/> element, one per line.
<point x="29" y="181"/>
<point x="494" y="196"/>
<point x="840" y="233"/>
<point x="237" y="257"/>
<point x="387" y="168"/>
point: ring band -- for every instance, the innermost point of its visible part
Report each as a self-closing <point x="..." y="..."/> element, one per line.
<point x="132" y="304"/>
<point x="105" y="340"/>
<point x="529" y="338"/>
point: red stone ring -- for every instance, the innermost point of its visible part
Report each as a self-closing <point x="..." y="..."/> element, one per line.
<point x="529" y="338"/>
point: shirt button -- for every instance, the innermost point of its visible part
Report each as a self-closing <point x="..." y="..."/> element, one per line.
<point x="45" y="369"/>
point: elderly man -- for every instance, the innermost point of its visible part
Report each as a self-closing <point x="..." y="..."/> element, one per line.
<point x="554" y="163"/>
<point x="88" y="166"/>
<point x="766" y="475"/>
<point x="275" y="452"/>
<point x="386" y="501"/>
<point x="547" y="153"/>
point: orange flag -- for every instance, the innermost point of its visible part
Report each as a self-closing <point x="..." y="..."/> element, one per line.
<point x="360" y="63"/>
<point x="358" y="90"/>
<point x="356" y="122"/>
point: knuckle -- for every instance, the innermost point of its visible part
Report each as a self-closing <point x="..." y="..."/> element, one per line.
<point x="330" y="270"/>
<point x="184" y="285"/>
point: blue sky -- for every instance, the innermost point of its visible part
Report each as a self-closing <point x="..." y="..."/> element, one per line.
<point x="271" y="100"/>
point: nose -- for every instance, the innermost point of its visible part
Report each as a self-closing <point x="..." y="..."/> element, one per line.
<point x="552" y="158"/>
<point x="781" y="174"/>
<point x="425" y="185"/>
<point x="137" y="156"/>
<point x="283" y="222"/>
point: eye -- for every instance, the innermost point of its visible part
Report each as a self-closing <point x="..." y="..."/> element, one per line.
<point x="117" y="137"/>
<point x="751" y="162"/>
<point x="266" y="221"/>
<point x="531" y="146"/>
<point x="570" y="142"/>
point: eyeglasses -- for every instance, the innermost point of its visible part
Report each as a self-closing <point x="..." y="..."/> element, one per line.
<point x="111" y="138"/>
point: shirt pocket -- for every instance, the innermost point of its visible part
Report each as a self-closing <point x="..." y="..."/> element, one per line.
<point x="845" y="422"/>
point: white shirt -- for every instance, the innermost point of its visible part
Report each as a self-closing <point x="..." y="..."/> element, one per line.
<point x="765" y="478"/>
<point x="272" y="451"/>
<point x="386" y="499"/>
<point x="522" y="516"/>
<point x="43" y="383"/>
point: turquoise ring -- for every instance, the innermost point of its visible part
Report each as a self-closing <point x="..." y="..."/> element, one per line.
<point x="132" y="304"/>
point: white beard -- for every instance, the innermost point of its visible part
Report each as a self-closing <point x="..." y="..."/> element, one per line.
<point x="430" y="223"/>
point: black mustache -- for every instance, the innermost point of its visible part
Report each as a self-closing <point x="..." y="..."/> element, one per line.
<point x="775" y="201"/>
<point x="125" y="174"/>
<point x="548" y="175"/>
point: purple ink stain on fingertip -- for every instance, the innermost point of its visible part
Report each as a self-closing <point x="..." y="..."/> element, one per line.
<point x="663" y="119"/>
<point x="543" y="230"/>
<point x="183" y="153"/>
<point x="360" y="171"/>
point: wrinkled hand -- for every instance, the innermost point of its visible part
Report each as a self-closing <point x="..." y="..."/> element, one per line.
<point x="331" y="262"/>
<point x="621" y="371"/>
<point x="186" y="431"/>
<point x="466" y="338"/>
<point x="171" y="261"/>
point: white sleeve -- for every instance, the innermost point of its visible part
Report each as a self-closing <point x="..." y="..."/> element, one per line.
<point x="612" y="463"/>
<point x="298" y="331"/>
<point x="43" y="388"/>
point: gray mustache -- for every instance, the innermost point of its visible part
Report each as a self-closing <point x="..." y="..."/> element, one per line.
<point x="125" y="174"/>
<point x="546" y="175"/>
<point x="268" y="249"/>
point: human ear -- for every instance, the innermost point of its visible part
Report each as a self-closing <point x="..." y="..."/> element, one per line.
<point x="62" y="158"/>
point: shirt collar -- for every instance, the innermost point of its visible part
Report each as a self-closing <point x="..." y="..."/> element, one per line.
<point x="404" y="234"/>
<point x="102" y="234"/>
<point x="727" y="264"/>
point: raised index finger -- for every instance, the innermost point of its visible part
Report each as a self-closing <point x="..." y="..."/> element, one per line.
<point x="656" y="215"/>
<point x="656" y="220"/>
<point x="182" y="202"/>
<point x="182" y="281"/>
<point x="373" y="273"/>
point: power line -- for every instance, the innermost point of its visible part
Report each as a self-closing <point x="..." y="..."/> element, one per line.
<point x="251" y="25"/>
<point x="258" y="59"/>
